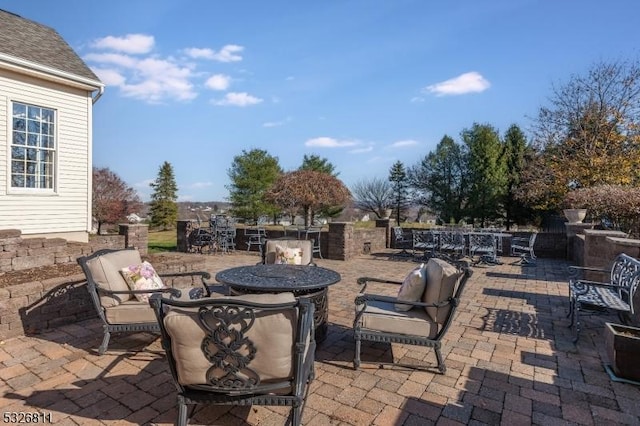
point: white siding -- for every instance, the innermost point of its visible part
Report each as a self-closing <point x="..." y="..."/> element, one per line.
<point x="67" y="210"/>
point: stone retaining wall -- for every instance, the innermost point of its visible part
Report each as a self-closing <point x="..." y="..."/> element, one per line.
<point x="34" y="307"/>
<point x="19" y="254"/>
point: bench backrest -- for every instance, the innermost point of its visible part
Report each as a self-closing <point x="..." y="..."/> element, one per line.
<point x="625" y="273"/>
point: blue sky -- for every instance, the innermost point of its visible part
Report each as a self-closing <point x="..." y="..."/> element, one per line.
<point x="363" y="83"/>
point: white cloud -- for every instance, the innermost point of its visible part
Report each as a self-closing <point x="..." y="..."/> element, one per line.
<point x="403" y="143"/>
<point x="218" y="82"/>
<point x="471" y="82"/>
<point x="110" y="77"/>
<point x="228" y="53"/>
<point x="361" y="150"/>
<point x="131" y="43"/>
<point x="242" y="99"/>
<point x="277" y="123"/>
<point x="326" y="142"/>
<point x="116" y="59"/>
<point x="200" y="185"/>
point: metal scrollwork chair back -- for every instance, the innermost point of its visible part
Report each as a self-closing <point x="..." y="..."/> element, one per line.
<point x="239" y="350"/>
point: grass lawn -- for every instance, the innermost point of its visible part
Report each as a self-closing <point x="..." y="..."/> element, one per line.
<point x="162" y="241"/>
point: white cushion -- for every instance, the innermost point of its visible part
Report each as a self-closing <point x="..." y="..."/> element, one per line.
<point x="142" y="276"/>
<point x="412" y="288"/>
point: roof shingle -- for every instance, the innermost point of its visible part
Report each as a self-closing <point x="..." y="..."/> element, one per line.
<point x="37" y="43"/>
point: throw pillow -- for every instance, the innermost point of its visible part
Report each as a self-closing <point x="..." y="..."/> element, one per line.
<point x="412" y="288"/>
<point x="288" y="255"/>
<point x="142" y="276"/>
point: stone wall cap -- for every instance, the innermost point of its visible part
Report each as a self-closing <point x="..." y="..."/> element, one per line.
<point x="605" y="232"/>
<point x="631" y="242"/>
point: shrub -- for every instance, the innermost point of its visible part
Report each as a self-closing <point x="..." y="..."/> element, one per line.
<point x="616" y="206"/>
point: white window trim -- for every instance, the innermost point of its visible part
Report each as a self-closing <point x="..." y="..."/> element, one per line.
<point x="31" y="191"/>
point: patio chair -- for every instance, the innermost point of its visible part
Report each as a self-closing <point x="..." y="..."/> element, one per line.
<point x="523" y="247"/>
<point x="255" y="237"/>
<point x="421" y="313"/>
<point x="617" y="295"/>
<point x="121" y="308"/>
<point x="313" y="234"/>
<point x="452" y="243"/>
<point x="425" y="241"/>
<point x="239" y="350"/>
<point x="273" y="251"/>
<point x="401" y="240"/>
<point x="483" y="245"/>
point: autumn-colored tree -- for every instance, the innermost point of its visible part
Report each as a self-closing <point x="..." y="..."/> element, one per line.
<point x="587" y="136"/>
<point x="309" y="190"/>
<point x="112" y="200"/>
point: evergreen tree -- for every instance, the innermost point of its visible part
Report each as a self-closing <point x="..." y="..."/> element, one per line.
<point x="251" y="174"/>
<point x="440" y="180"/>
<point x="164" y="207"/>
<point x="399" y="188"/>
<point x="488" y="177"/>
<point x="318" y="164"/>
<point x="515" y="148"/>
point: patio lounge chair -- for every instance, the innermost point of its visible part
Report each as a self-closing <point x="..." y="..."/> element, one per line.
<point x="114" y="300"/>
<point x="421" y="313"/>
<point x="239" y="350"/>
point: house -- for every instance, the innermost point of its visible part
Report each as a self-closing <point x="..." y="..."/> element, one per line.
<point x="46" y="100"/>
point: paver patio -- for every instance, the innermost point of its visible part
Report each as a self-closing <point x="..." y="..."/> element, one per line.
<point x="509" y="360"/>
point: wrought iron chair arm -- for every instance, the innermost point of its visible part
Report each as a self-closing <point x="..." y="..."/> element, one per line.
<point x="173" y="291"/>
<point x="579" y="287"/>
<point x="363" y="281"/>
<point x="574" y="271"/>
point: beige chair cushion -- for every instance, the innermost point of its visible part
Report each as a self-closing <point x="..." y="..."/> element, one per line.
<point x="442" y="278"/>
<point x="272" y="335"/>
<point x="412" y="287"/>
<point x="382" y="316"/>
<point x="130" y="312"/>
<point x="105" y="271"/>
<point x="305" y="245"/>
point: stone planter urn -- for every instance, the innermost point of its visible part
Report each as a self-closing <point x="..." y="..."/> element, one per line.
<point x="623" y="348"/>
<point x="575" y="215"/>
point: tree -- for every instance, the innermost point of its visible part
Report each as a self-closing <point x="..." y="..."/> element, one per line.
<point x="252" y="173"/>
<point x="112" y="200"/>
<point x="164" y="207"/>
<point x="319" y="164"/>
<point x="487" y="172"/>
<point x="588" y="134"/>
<point x="515" y="149"/>
<point x="399" y="188"/>
<point x="373" y="195"/>
<point x="308" y="190"/>
<point x="440" y="180"/>
<point x="315" y="162"/>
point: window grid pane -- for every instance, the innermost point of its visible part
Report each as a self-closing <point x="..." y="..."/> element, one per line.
<point x="33" y="147"/>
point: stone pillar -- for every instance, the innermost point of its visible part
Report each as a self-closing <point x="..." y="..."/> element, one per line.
<point x="340" y="244"/>
<point x="387" y="224"/>
<point x="599" y="252"/>
<point x="135" y="235"/>
<point x="573" y="229"/>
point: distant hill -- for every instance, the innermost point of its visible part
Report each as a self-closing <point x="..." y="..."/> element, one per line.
<point x="192" y="209"/>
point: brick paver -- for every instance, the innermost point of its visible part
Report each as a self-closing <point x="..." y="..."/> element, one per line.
<point x="509" y="355"/>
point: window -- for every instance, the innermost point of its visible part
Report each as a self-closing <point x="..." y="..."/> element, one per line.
<point x="33" y="147"/>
